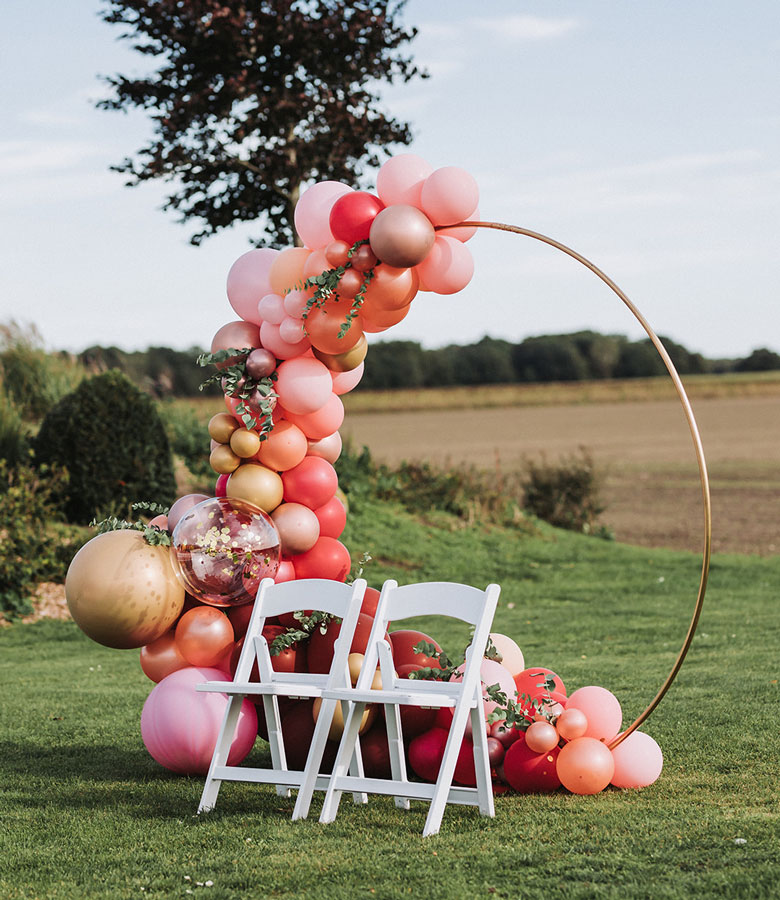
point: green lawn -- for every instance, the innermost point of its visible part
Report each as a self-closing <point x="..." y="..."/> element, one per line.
<point x="85" y="812"/>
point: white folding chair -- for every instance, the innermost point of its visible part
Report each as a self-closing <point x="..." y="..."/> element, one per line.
<point x="272" y="600"/>
<point x="437" y="598"/>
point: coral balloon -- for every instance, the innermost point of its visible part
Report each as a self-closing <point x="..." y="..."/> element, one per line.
<point x="602" y="710"/>
<point x="449" y="266"/>
<point x="285" y="572"/>
<point x="312" y="482"/>
<point x="321" y="422"/>
<point x="298" y="527"/>
<point x="585" y="766"/>
<point x="529" y="772"/>
<point x="401" y="178"/>
<point x="531" y="681"/>
<point x="572" y="723"/>
<point x="352" y="214"/>
<point x="161" y="657"/>
<point x="401" y="236"/>
<point x="180" y="725"/>
<point x="291" y="329"/>
<point x="328" y="330"/>
<point x="281" y="349"/>
<point x="381" y="320"/>
<point x="327" y="448"/>
<point x="449" y="195"/>
<point x="312" y="212"/>
<point x="342" y="363"/>
<point x="256" y="484"/>
<point x="638" y="761"/>
<point x="344" y="382"/>
<point x="121" y="591"/>
<point x="295" y="303"/>
<point x="248" y="281"/>
<point x="303" y="385"/>
<point x="390" y="289"/>
<point x="541" y="737"/>
<point x="204" y="635"/>
<point x="328" y="558"/>
<point x="287" y="270"/>
<point x="284" y="447"/>
<point x="332" y="517"/>
<point x="223" y="548"/>
<point x="511" y="654"/>
<point x="316" y="264"/>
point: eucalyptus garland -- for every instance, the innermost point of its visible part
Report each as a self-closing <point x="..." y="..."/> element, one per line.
<point x="154" y="536"/>
<point x="306" y="629"/>
<point x="237" y="383"/>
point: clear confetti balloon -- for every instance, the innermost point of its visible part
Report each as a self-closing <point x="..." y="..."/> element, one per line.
<point x="223" y="548"/>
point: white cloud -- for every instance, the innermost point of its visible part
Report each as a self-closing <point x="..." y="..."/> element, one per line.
<point x="525" y="28"/>
<point x="19" y="158"/>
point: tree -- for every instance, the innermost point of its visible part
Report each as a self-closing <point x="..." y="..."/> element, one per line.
<point x="251" y="99"/>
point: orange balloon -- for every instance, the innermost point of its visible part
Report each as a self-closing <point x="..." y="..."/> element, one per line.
<point x="585" y="766"/>
<point x="374" y="322"/>
<point x="391" y="289"/>
<point x="572" y="723"/>
<point x="204" y="635"/>
<point x="324" y="323"/>
<point x="284" y="447"/>
<point x="162" y="657"/>
<point x="316" y="264"/>
<point x="287" y="270"/>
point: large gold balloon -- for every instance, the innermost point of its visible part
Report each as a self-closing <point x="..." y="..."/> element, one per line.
<point x="257" y="484"/>
<point x="121" y="591"/>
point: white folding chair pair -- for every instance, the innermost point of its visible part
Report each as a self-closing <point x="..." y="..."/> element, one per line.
<point x="272" y="600"/>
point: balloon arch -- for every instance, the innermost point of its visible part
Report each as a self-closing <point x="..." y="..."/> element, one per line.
<point x="298" y="345"/>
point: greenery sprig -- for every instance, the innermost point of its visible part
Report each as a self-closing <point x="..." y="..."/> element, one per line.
<point x="154" y="536"/>
<point x="447" y="667"/>
<point x="519" y="712"/>
<point x="308" y="624"/>
<point x="255" y="395"/>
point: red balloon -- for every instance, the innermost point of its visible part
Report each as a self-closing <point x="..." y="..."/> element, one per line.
<point x="426" y="752"/>
<point x="529" y="772"/>
<point x="312" y="482"/>
<point x="444" y="718"/>
<point x="376" y="752"/>
<point x="328" y="558"/>
<point x="528" y="681"/>
<point x="507" y="735"/>
<point x="403" y="642"/>
<point x="239" y="618"/>
<point x="417" y="720"/>
<point x="289" y="621"/>
<point x="220" y="488"/>
<point x="297" y="732"/>
<point x="332" y="517"/>
<point x="352" y="214"/>
<point x="370" y="601"/>
<point x="496" y="752"/>
<point x="465" y="772"/>
<point x="320" y="649"/>
<point x="285" y="572"/>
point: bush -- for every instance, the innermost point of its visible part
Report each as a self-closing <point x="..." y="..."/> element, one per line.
<point x="565" y="494"/>
<point x="13" y="434"/>
<point x="32" y="548"/>
<point x="189" y="440"/>
<point x="110" y="438"/>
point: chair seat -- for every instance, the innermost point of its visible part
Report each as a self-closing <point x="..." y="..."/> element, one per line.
<point x="281" y="688"/>
<point x="405" y="698"/>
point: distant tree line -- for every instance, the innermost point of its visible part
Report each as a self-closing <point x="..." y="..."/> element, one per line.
<point x="582" y="356"/>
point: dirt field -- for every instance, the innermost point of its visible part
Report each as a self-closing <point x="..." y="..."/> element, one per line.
<point x="643" y="448"/>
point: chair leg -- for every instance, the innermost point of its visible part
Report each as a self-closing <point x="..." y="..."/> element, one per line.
<point x="446" y="772"/>
<point x="396" y="748"/>
<point x="276" y="741"/>
<point x="346" y="751"/>
<point x="208" y="798"/>
<point x="356" y="763"/>
<point x="482" y="763"/>
<point x="314" y="759"/>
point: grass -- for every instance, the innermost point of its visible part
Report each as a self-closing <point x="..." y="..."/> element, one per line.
<point x="86" y="813"/>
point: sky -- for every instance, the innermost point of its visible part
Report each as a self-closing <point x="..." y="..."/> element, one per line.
<point x="644" y="135"/>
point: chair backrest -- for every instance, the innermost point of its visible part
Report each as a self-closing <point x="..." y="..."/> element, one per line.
<point x="435" y="598"/>
<point x="273" y="599"/>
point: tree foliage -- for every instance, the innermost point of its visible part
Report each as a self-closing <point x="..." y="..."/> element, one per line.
<point x="250" y="99"/>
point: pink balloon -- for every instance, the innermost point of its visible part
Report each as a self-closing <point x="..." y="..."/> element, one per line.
<point x="180" y="725"/>
<point x="291" y="330"/>
<point x="247" y="282"/>
<point x="602" y="710"/>
<point x="448" y="195"/>
<point x="321" y="422"/>
<point x="181" y="506"/>
<point x="327" y="448"/>
<point x="304" y="385"/>
<point x="343" y="382"/>
<point x="235" y="335"/>
<point x="448" y="268"/>
<point x="312" y="212"/>
<point x="490" y="672"/>
<point x="638" y="761"/>
<point x="585" y="766"/>
<point x="401" y="179"/>
<point x="281" y="349"/>
<point x="271" y="309"/>
<point x="295" y="303"/>
<point x="464" y="233"/>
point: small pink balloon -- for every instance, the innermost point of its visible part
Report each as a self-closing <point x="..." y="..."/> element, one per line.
<point x="312" y="212"/>
<point x="304" y="385"/>
<point x="448" y="268"/>
<point x="462" y="233"/>
<point x="638" y="761"/>
<point x="180" y="725"/>
<point x="602" y="710"/>
<point x="327" y="448"/>
<point x="291" y="330"/>
<point x="401" y="179"/>
<point x="160" y="522"/>
<point x="271" y="309"/>
<point x="344" y="382"/>
<point x="448" y="195"/>
<point x="321" y="422"/>
<point x="295" y="303"/>
<point x="490" y="672"/>
<point x="511" y="654"/>
<point x="235" y="335"/>
<point x="220" y="488"/>
<point x="281" y="349"/>
<point x="247" y="282"/>
<point x="572" y="723"/>
<point x="183" y="505"/>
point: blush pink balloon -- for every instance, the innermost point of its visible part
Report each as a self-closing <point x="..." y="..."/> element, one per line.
<point x="327" y="448"/>
<point x="304" y="385"/>
<point x="180" y="725"/>
<point x="401" y="179"/>
<point x="236" y="335"/>
<point x="322" y="421"/>
<point x="512" y="656"/>
<point x="291" y="330"/>
<point x="490" y="672"/>
<point x="462" y="233"/>
<point x="247" y="282"/>
<point x="295" y="303"/>
<point x="281" y="349"/>
<point x="638" y="761"/>
<point x="312" y="212"/>
<point x="181" y="506"/>
<point x="271" y="309"/>
<point x="448" y="268"/>
<point x="602" y="710"/>
<point x="448" y="195"/>
<point x="344" y="382"/>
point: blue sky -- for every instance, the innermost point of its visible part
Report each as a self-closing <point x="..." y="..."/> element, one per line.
<point x="644" y="135"/>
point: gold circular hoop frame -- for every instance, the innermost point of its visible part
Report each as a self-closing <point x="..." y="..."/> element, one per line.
<point x="697" y="445"/>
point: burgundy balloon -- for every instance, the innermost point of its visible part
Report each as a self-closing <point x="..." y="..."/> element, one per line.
<point x="260" y="363"/>
<point x="401" y="236"/>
